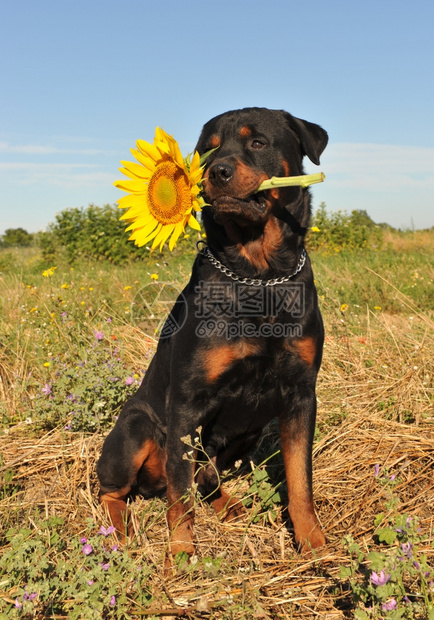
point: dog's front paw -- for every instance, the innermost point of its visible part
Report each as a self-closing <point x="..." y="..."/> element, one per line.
<point x="310" y="537"/>
<point x="228" y="508"/>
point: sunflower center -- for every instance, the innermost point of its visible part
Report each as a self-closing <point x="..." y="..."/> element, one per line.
<point x="168" y="193"/>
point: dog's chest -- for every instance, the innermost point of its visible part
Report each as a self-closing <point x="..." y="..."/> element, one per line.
<point x="231" y="309"/>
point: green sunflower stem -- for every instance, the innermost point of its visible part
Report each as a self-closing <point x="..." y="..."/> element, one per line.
<point x="303" y="180"/>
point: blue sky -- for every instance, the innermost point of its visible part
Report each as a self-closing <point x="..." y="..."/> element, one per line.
<point x="82" y="80"/>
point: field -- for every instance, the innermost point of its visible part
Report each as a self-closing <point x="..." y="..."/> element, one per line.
<point x="74" y="345"/>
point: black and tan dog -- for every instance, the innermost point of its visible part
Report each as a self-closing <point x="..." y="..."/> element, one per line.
<point x="250" y="344"/>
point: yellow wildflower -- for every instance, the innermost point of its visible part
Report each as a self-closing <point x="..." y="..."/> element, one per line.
<point x="49" y="272"/>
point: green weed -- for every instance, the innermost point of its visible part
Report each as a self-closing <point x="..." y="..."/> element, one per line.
<point x="88" y="577"/>
<point x="395" y="581"/>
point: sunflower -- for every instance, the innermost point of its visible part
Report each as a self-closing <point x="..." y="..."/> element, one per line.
<point x="163" y="191"/>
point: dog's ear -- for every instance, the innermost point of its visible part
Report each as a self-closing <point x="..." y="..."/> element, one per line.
<point x="313" y="138"/>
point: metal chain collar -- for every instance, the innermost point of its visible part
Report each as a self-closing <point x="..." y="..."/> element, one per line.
<point x="205" y="251"/>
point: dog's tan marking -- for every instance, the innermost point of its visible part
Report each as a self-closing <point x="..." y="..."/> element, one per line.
<point x="215" y="141"/>
<point x="152" y="458"/>
<point x="116" y="506"/>
<point x="286" y="168"/>
<point x="228" y="508"/>
<point x="246" y="180"/>
<point x="245" y="131"/>
<point x="295" y="450"/>
<point x="259" y="251"/>
<point x="219" y="359"/>
<point x="306" y="349"/>
<point x="180" y="520"/>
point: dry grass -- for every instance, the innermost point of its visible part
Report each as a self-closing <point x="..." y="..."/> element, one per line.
<point x="374" y="408"/>
<point x="400" y="242"/>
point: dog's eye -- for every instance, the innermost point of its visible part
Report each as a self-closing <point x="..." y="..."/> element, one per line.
<point x="257" y="144"/>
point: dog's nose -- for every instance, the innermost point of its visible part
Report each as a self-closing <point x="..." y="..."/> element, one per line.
<point x="220" y="174"/>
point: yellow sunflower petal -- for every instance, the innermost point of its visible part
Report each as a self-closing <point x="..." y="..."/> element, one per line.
<point x="145" y="238"/>
<point x="141" y="220"/>
<point x="134" y="170"/>
<point x="198" y="204"/>
<point x="179" y="229"/>
<point x="193" y="223"/>
<point x="131" y="186"/>
<point x="140" y="237"/>
<point x="130" y="201"/>
<point x="144" y="160"/>
<point x="143" y="229"/>
<point x="148" y="150"/>
<point x="136" y="213"/>
<point x="177" y="156"/>
<point x="162" y="236"/>
<point x="195" y="161"/>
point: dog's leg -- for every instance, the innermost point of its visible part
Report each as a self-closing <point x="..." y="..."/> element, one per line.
<point x="230" y="508"/>
<point x="207" y="478"/>
<point x="227" y="508"/>
<point x="296" y="431"/>
<point x="180" y="513"/>
<point x="129" y="449"/>
<point x="115" y="504"/>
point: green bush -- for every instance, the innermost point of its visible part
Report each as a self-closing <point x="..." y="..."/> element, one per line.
<point x="16" y="237"/>
<point x="91" y="233"/>
<point x="94" y="233"/>
<point x="337" y="230"/>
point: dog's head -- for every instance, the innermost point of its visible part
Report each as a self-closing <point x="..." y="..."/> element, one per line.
<point x="251" y="145"/>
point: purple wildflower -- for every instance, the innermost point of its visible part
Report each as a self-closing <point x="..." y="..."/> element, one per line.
<point x="113" y="601"/>
<point x="381" y="579"/>
<point x="407" y="549"/>
<point x="83" y="540"/>
<point x="116" y="547"/>
<point x="109" y="320"/>
<point x="392" y="477"/>
<point x="18" y="605"/>
<point x="99" y="335"/>
<point x="389" y="605"/>
<point x="106" y="531"/>
<point x="416" y="565"/>
<point x="105" y="566"/>
<point x="377" y="470"/>
<point x="87" y="549"/>
<point x="90" y="582"/>
<point x="129" y="380"/>
<point x="46" y="389"/>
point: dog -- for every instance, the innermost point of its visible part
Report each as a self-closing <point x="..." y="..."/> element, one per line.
<point x="242" y="345"/>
